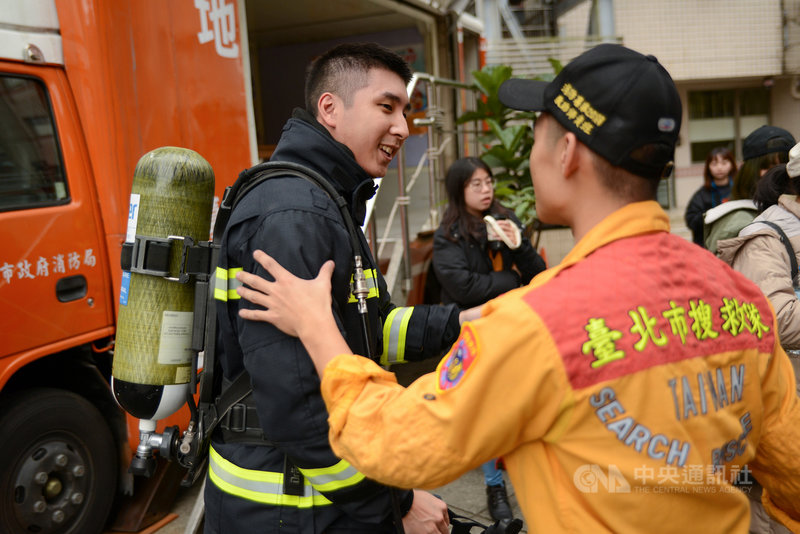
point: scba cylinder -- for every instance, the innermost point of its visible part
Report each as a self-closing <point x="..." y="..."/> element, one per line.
<point x="172" y="195"/>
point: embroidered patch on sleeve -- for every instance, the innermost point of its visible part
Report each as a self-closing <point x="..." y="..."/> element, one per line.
<point x="454" y="366"/>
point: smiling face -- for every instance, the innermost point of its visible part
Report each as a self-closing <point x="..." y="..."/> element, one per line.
<point x="373" y="125"/>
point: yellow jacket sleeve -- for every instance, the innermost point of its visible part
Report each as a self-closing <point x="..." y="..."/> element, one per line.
<point x="425" y="435"/>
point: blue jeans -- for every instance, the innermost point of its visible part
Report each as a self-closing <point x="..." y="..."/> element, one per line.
<point x="491" y="474"/>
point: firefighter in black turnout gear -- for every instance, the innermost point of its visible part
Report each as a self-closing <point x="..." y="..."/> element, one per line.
<point x="270" y="465"/>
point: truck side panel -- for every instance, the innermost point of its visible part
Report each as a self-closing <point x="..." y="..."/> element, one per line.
<point x="151" y="73"/>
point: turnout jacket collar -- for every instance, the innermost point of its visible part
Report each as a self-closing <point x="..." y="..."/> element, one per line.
<point x="304" y="140"/>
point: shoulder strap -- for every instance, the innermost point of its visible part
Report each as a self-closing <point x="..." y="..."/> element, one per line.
<point x="786" y="243"/>
<point x="234" y="393"/>
<point x="250" y="178"/>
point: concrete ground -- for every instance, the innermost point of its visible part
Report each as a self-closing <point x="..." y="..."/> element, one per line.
<point x="465" y="496"/>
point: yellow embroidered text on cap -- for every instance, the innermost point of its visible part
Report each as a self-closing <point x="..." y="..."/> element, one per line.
<point x="578" y="109"/>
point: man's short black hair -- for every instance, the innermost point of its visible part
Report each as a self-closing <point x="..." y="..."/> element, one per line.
<point x="343" y="70"/>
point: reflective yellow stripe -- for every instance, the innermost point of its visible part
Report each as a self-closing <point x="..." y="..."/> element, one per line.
<point x="225" y="284"/>
<point x="394" y="335"/>
<point x="221" y="284"/>
<point x="259" y="486"/>
<point x="335" y="477"/>
<point x="372" y="284"/>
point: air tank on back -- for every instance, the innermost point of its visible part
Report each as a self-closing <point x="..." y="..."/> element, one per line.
<point x="171" y="198"/>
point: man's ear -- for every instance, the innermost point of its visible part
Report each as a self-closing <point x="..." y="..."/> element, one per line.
<point x="570" y="154"/>
<point x="327" y="106"/>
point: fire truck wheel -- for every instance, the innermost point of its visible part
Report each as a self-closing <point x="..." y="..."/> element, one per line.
<point x="58" y="464"/>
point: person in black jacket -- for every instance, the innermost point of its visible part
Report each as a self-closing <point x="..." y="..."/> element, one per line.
<point x="470" y="268"/>
<point x="718" y="176"/>
<point x="271" y="467"/>
<point x="473" y="264"/>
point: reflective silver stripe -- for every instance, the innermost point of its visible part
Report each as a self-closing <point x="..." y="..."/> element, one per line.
<point x="394" y="335"/>
<point x="335" y="477"/>
<point x="259" y="486"/>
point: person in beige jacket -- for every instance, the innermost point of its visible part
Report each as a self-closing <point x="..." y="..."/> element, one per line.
<point x="759" y="253"/>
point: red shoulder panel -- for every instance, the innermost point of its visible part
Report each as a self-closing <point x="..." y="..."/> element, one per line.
<point x="645" y="301"/>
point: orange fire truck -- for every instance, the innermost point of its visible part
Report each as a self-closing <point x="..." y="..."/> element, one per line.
<point x="86" y="88"/>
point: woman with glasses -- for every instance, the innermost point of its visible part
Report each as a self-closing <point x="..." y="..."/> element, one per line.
<point x="474" y="264"/>
<point x="476" y="260"/>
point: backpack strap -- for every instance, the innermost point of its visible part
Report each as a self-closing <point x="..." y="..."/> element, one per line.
<point x="786" y="243"/>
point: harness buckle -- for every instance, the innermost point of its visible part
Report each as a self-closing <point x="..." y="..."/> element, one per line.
<point x="237" y="418"/>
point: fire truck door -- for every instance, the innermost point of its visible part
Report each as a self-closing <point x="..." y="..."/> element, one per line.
<point x="54" y="281"/>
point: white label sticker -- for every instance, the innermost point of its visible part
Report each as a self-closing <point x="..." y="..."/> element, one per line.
<point x="133" y="218"/>
<point x="176" y="338"/>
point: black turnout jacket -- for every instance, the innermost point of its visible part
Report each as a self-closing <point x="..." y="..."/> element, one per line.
<point x="299" y="225"/>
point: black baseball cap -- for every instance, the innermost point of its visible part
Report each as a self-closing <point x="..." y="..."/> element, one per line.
<point x="621" y="104"/>
<point x="766" y="140"/>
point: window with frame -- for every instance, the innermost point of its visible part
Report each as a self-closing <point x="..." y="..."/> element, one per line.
<point x="31" y="167"/>
<point x="719" y="117"/>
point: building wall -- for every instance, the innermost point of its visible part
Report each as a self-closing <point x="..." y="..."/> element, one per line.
<point x="703" y="46"/>
<point x="693" y="40"/>
<point x="786" y="105"/>
<point x="705" y="40"/>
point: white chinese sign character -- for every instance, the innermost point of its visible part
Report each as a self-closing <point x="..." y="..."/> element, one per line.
<point x="8" y="272"/>
<point x="24" y="269"/>
<point x="42" y="267"/>
<point x="74" y="261"/>
<point x="89" y="258"/>
<point x="222" y="17"/>
<point x="58" y="264"/>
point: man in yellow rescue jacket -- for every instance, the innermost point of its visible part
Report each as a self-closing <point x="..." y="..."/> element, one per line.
<point x="625" y="388"/>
